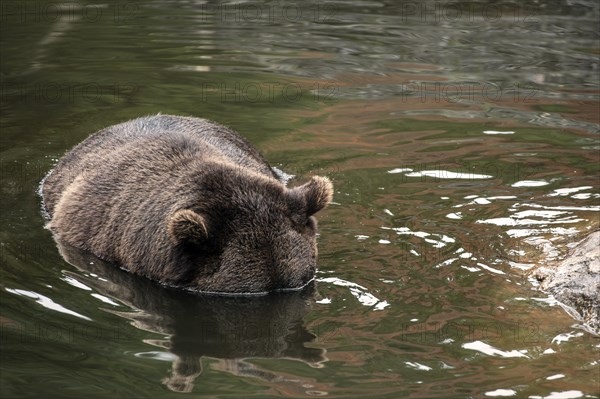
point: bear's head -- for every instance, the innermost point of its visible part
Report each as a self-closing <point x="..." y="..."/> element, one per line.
<point x="247" y="233"/>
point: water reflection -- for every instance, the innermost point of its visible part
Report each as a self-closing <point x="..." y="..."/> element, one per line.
<point x="229" y="329"/>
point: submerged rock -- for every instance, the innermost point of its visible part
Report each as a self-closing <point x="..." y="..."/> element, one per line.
<point x="575" y="281"/>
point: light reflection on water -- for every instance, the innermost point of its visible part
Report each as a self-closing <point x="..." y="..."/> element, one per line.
<point x="463" y="149"/>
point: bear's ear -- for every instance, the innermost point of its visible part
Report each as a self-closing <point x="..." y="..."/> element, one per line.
<point x="318" y="193"/>
<point x="186" y="226"/>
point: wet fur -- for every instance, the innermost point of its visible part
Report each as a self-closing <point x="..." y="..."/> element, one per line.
<point x="186" y="202"/>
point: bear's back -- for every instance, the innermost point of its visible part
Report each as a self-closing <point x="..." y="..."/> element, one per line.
<point x="154" y="143"/>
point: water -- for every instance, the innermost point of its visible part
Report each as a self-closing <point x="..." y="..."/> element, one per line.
<point x="462" y="139"/>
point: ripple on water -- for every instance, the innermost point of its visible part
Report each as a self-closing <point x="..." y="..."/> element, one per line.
<point x="46" y="302"/>
<point x="501" y="392"/>
<point x="572" y="394"/>
<point x="358" y="291"/>
<point x="489" y="350"/>
<point x="530" y="183"/>
<point x="445" y="174"/>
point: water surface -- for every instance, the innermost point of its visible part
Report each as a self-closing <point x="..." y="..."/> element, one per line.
<point x="462" y="139"/>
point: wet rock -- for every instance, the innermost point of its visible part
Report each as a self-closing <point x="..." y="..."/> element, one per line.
<point x="575" y="281"/>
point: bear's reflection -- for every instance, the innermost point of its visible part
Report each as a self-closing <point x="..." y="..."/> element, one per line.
<point x="226" y="328"/>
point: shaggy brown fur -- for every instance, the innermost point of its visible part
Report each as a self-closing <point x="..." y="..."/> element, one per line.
<point x="186" y="202"/>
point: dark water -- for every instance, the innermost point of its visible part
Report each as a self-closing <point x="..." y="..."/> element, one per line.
<point x="462" y="139"/>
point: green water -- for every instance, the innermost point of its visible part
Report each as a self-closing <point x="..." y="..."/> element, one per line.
<point x="450" y="129"/>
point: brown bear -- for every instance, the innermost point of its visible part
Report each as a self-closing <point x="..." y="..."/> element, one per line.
<point x="186" y="202"/>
